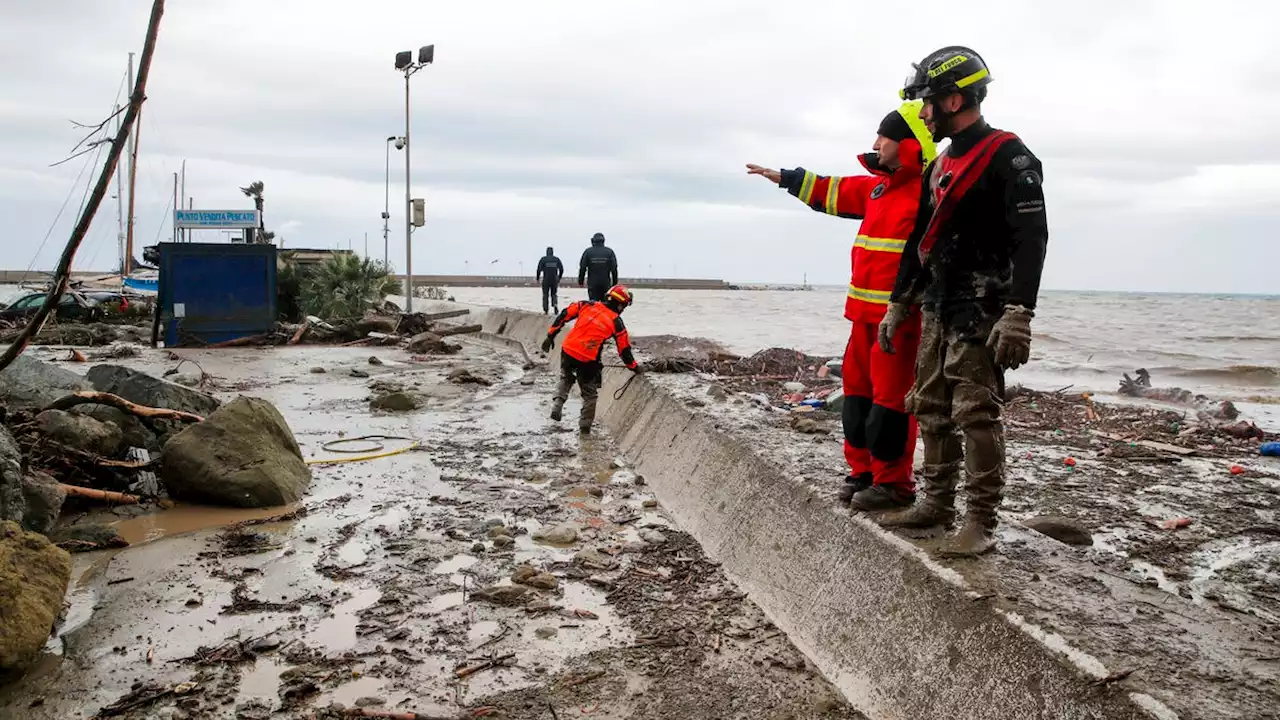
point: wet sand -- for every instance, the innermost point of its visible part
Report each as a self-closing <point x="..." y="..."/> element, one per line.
<point x="366" y="592"/>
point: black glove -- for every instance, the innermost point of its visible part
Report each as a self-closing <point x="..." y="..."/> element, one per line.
<point x="548" y="343"/>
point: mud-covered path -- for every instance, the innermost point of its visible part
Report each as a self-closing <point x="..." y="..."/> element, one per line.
<point x="393" y="574"/>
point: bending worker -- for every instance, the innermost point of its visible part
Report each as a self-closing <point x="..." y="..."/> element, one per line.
<point x="879" y="436"/>
<point x="974" y="261"/>
<point x="595" y="323"/>
<point x="598" y="268"/>
<point x="550" y="270"/>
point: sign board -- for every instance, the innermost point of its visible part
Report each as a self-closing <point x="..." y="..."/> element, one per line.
<point x="215" y="219"/>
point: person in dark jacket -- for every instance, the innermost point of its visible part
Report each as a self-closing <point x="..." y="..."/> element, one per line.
<point x="550" y="270"/>
<point x="598" y="269"/>
<point x="973" y="262"/>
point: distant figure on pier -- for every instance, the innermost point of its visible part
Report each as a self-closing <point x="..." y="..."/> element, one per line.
<point x="550" y="270"/>
<point x="598" y="268"/>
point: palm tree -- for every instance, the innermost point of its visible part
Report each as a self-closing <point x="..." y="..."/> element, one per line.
<point x="345" y="286"/>
<point x="255" y="191"/>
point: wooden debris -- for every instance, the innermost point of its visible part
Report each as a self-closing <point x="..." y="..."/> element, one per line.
<point x="110" y="496"/>
<point x="84" y="397"/>
<point x="473" y="669"/>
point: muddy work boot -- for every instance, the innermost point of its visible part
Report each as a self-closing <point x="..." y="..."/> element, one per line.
<point x="557" y="410"/>
<point x="976" y="537"/>
<point x="925" y="514"/>
<point x="882" y="497"/>
<point x="853" y="484"/>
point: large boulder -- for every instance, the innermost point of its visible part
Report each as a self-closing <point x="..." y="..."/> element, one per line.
<point x="86" y="537"/>
<point x="243" y="455"/>
<point x="143" y="389"/>
<point x="429" y="342"/>
<point x="81" y="432"/>
<point x="44" y="500"/>
<point x="33" y="580"/>
<point x="29" y="382"/>
<point x="13" y="503"/>
<point x="135" y="432"/>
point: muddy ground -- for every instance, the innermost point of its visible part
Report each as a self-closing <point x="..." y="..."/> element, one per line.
<point x="389" y="587"/>
<point x="1181" y="586"/>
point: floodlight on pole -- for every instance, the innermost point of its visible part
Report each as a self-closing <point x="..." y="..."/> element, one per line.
<point x="405" y="64"/>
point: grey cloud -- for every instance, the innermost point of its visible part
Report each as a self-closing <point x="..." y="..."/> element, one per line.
<point x="540" y="125"/>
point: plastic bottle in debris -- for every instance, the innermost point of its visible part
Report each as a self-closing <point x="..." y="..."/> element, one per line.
<point x="1272" y="449"/>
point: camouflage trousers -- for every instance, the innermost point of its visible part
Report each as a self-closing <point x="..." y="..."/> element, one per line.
<point x="589" y="376"/>
<point x="957" y="398"/>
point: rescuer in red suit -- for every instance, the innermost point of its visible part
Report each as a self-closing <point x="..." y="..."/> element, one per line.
<point x="879" y="435"/>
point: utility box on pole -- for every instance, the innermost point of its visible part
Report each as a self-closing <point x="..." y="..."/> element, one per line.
<point x="419" y="212"/>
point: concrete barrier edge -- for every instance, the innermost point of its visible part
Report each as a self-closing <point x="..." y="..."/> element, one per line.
<point x="901" y="635"/>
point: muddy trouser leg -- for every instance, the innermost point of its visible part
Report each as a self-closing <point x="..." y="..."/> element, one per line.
<point x="568" y="376"/>
<point x="597" y="292"/>
<point x="555" y="296"/>
<point x="590" y="377"/>
<point x="978" y="390"/>
<point x="931" y="401"/>
<point x="546" y="296"/>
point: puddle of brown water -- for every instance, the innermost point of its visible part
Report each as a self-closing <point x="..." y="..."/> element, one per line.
<point x="339" y="631"/>
<point x="443" y="602"/>
<point x="261" y="680"/>
<point x="187" y="518"/>
<point x="454" y="564"/>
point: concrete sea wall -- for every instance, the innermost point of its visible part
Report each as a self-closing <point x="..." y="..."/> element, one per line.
<point x="902" y="636"/>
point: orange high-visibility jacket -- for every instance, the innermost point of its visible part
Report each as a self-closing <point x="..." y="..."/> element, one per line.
<point x="886" y="202"/>
<point x="594" y="324"/>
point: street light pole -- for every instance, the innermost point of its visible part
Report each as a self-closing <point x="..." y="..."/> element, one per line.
<point x="408" y="214"/>
<point x="386" y="210"/>
<point x="405" y="63"/>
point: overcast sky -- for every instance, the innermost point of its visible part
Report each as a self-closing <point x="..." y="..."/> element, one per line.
<point x="542" y="123"/>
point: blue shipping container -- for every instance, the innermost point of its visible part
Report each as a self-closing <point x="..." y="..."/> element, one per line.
<point x="211" y="293"/>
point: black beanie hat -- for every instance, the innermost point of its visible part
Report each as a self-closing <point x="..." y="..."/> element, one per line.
<point x="895" y="127"/>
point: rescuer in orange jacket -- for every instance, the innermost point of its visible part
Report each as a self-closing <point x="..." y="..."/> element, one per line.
<point x="879" y="435"/>
<point x="595" y="323"/>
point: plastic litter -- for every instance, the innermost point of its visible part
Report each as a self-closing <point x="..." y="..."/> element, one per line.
<point x="1237" y="470"/>
<point x="1271" y="449"/>
<point x="1069" y="462"/>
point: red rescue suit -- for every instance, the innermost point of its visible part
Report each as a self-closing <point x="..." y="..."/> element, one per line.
<point x="880" y="437"/>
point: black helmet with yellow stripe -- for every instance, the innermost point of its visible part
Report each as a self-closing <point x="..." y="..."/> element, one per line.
<point x="953" y="69"/>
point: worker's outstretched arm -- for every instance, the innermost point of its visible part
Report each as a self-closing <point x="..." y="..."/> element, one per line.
<point x="538" y="275"/>
<point x="623" y="340"/>
<point x="569" y="313"/>
<point x="844" y="197"/>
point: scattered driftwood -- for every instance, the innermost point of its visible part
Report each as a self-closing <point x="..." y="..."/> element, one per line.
<point x="262" y="339"/>
<point x="101" y="461"/>
<point x="394" y="714"/>
<point x="101" y="398"/>
<point x="297" y="336"/>
<point x="473" y="669"/>
<point x="110" y="496"/>
<point x="459" y="330"/>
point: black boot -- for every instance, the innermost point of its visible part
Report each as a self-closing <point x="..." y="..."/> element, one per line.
<point x="854" y="484"/>
<point x="882" y="497"/>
